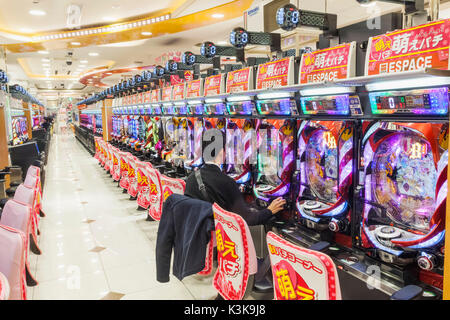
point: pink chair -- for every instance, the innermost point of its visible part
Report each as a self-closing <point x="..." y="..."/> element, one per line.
<point x="27" y="195"/>
<point x="301" y="274"/>
<point x="19" y="216"/>
<point x="236" y="255"/>
<point x="4" y="287"/>
<point x="132" y="176"/>
<point x="116" y="164"/>
<point x="12" y="261"/>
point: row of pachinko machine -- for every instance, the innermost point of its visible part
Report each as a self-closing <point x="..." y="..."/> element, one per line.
<point x="92" y="120"/>
<point x="361" y="160"/>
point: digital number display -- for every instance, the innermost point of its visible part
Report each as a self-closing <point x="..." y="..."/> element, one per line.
<point x="288" y="17"/>
<point x="208" y="49"/>
<point x="239" y="38"/>
<point x="188" y="58"/>
<point x="425" y="101"/>
<point x="326" y="105"/>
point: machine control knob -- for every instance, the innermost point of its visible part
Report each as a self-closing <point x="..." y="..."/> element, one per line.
<point x="333" y="226"/>
<point x="337" y="225"/>
<point x="426" y="261"/>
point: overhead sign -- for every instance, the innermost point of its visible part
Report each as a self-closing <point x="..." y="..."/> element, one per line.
<point x="194" y="88"/>
<point x="275" y="74"/>
<point x="420" y="47"/>
<point x="214" y="85"/>
<point x="328" y="64"/>
<point x="240" y="80"/>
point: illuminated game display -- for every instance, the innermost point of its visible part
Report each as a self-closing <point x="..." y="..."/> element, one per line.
<point x="325" y="150"/>
<point x="405" y="191"/>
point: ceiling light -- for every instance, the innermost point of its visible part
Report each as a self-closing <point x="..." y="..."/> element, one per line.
<point x="45" y="60"/>
<point x="93" y="54"/>
<point x="43" y="52"/>
<point x="37" y="12"/>
<point x="75" y="43"/>
<point x="146" y="33"/>
<point x="217" y="15"/>
<point x="46" y="65"/>
<point x="83" y="61"/>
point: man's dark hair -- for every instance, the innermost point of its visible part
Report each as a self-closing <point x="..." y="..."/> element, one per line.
<point x="213" y="141"/>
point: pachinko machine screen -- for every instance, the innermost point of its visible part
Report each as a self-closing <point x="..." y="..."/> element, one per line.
<point x="215" y="108"/>
<point x="333" y="105"/>
<point x="422" y="101"/>
<point x="195" y="109"/>
<point x="282" y="107"/>
<point x="244" y="108"/>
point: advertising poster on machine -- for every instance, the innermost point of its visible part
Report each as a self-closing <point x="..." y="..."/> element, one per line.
<point x="416" y="48"/>
<point x="194" y="88"/>
<point x="275" y="74"/>
<point x="166" y="94"/>
<point x="239" y="80"/>
<point x="327" y="65"/>
<point x="301" y="274"/>
<point x="178" y="91"/>
<point x="155" y="95"/>
<point x="214" y="85"/>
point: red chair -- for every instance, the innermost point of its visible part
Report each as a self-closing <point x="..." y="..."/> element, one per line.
<point x="301" y="274"/>
<point x="12" y="261"/>
<point x="236" y="255"/>
<point x="124" y="167"/>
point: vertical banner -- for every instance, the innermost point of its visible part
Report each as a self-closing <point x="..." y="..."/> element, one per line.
<point x="178" y="91"/>
<point x="420" y="47"/>
<point x="301" y="274"/>
<point x="214" y="85"/>
<point x="275" y="74"/>
<point x="329" y="64"/>
<point x="194" y="88"/>
<point x="240" y="80"/>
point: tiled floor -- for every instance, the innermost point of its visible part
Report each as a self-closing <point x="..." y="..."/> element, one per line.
<point x="95" y="243"/>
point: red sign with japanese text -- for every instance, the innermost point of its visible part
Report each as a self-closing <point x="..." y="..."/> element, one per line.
<point x="301" y="274"/>
<point x="239" y="80"/>
<point x="175" y="79"/>
<point x="275" y="74"/>
<point x="420" y="47"/>
<point x="328" y="64"/>
<point x="194" y="88"/>
<point x="178" y="91"/>
<point x="147" y="96"/>
<point x="166" y="94"/>
<point x="155" y="95"/>
<point x="214" y="85"/>
<point x="236" y="254"/>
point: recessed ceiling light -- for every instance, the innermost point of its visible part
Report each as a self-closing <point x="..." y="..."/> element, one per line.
<point x="217" y="15"/>
<point x="74" y="43"/>
<point x="43" y="52"/>
<point x="146" y="33"/>
<point x="93" y="54"/>
<point x="46" y="65"/>
<point x="45" y="60"/>
<point x="83" y="61"/>
<point x="108" y="73"/>
<point x="37" y="12"/>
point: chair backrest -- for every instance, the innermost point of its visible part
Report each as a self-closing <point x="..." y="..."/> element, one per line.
<point x="167" y="186"/>
<point x="12" y="261"/>
<point x="33" y="170"/>
<point x="4" y="287"/>
<point x="301" y="274"/>
<point x="236" y="254"/>
<point x="25" y="194"/>
<point x="17" y="215"/>
<point x="31" y="181"/>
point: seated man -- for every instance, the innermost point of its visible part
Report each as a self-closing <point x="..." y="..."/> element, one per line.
<point x="222" y="189"/>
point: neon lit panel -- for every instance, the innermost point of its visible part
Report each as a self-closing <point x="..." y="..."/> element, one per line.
<point x="422" y="101"/>
<point x="169" y="110"/>
<point x="195" y="109"/>
<point x="215" y="108"/>
<point x="334" y="105"/>
<point x="180" y="109"/>
<point x="240" y="108"/>
<point x="156" y="109"/>
<point x="276" y="107"/>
